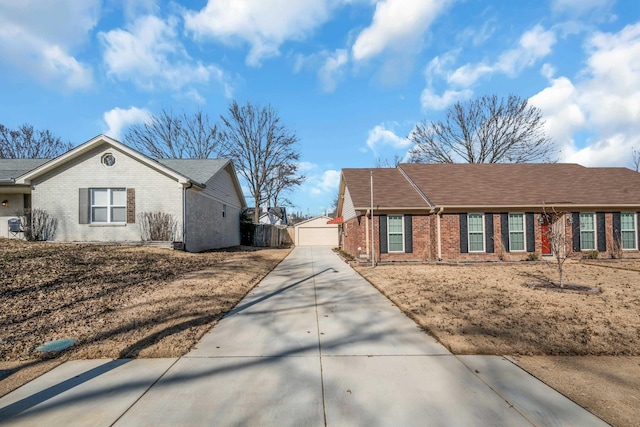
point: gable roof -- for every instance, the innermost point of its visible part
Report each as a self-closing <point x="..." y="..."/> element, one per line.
<point x="197" y="170"/>
<point x="390" y="189"/>
<point x="477" y="186"/>
<point x="524" y="184"/>
<point x="184" y="171"/>
<point x="10" y="169"/>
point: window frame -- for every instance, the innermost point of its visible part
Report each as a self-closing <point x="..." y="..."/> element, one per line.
<point x="109" y="206"/>
<point x="594" y="231"/>
<point x="634" y="229"/>
<point x="523" y="232"/>
<point x="401" y="233"/>
<point x="469" y="232"/>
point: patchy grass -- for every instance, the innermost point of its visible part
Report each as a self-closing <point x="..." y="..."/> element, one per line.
<point x="118" y="301"/>
<point x="587" y="346"/>
<point x="485" y="309"/>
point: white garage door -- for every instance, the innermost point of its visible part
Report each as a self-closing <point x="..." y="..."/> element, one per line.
<point x="317" y="236"/>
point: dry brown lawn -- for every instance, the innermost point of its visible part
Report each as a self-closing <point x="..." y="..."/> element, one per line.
<point x="566" y="339"/>
<point x="118" y="301"/>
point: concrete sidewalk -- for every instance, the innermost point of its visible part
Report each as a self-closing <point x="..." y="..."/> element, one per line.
<point x="313" y="344"/>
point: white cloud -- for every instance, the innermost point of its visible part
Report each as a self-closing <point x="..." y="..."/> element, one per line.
<point x="604" y="100"/>
<point x="326" y="183"/>
<point x="614" y="150"/>
<point x="396" y="25"/>
<point x="332" y="69"/>
<point x="40" y="37"/>
<point x="559" y="103"/>
<point x="118" y="119"/>
<point x="533" y="45"/>
<point x="380" y="136"/>
<point x="261" y="24"/>
<point x="579" y="7"/>
<point x="432" y="101"/>
<point x="149" y="54"/>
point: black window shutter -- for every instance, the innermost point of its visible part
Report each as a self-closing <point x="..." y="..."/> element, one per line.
<point x="575" y="229"/>
<point x="504" y="231"/>
<point x="488" y="233"/>
<point x="382" y="220"/>
<point x="83" y="206"/>
<point x="464" y="238"/>
<point x="531" y="233"/>
<point x="408" y="234"/>
<point x="617" y="228"/>
<point x="602" y="231"/>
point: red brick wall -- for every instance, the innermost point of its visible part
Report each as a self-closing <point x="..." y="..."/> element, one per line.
<point x="425" y="243"/>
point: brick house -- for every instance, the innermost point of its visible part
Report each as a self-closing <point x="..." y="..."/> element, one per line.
<point x="97" y="190"/>
<point x="425" y="212"/>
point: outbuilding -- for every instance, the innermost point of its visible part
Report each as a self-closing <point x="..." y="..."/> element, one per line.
<point x="317" y="232"/>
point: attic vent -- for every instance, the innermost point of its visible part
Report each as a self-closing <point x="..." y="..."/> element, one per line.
<point x="108" y="160"/>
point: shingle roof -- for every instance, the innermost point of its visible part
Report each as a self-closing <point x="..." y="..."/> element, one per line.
<point x="524" y="184"/>
<point x="13" y="168"/>
<point x="390" y="189"/>
<point x="198" y="170"/>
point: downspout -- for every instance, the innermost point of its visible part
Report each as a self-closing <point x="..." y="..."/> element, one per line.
<point x="438" y="217"/>
<point x="184" y="216"/>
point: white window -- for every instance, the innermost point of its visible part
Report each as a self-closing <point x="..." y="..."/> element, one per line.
<point x="628" y="230"/>
<point x="395" y="233"/>
<point x="475" y="225"/>
<point x="587" y="231"/>
<point x="516" y="232"/>
<point x="108" y="205"/>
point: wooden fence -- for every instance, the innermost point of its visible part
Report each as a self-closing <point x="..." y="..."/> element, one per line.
<point x="272" y="236"/>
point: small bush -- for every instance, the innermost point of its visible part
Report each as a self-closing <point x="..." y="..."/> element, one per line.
<point x="533" y="257"/>
<point x="38" y="224"/>
<point x="592" y="255"/>
<point x="157" y="226"/>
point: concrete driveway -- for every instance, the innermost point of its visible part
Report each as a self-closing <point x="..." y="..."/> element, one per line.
<point x="312" y="345"/>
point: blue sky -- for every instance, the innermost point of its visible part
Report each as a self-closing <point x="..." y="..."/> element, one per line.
<point x="350" y="77"/>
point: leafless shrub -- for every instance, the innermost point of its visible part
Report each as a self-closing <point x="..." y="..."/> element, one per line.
<point x="616" y="251"/>
<point x="38" y="224"/>
<point x="560" y="243"/>
<point x="157" y="226"/>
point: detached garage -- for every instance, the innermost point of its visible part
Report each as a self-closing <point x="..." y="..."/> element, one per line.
<point x="316" y="232"/>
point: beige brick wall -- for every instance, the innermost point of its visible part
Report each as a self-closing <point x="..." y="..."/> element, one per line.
<point x="58" y="194"/>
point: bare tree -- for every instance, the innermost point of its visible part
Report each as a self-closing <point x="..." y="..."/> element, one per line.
<point x="175" y="137"/>
<point x="485" y="130"/>
<point x="282" y="179"/>
<point x="27" y="143"/>
<point x="260" y="147"/>
<point x="559" y="242"/>
<point x="635" y="158"/>
<point x="386" y="163"/>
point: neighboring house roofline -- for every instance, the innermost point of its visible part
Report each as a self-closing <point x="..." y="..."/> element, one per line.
<point x="92" y="143"/>
<point x="312" y="219"/>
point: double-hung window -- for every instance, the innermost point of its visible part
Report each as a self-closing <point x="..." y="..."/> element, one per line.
<point x="516" y="232"/>
<point x="475" y="223"/>
<point x="628" y="230"/>
<point x="587" y="231"/>
<point x="395" y="228"/>
<point x="108" y="205"/>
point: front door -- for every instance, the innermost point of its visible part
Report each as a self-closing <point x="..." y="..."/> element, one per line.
<point x="544" y="232"/>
